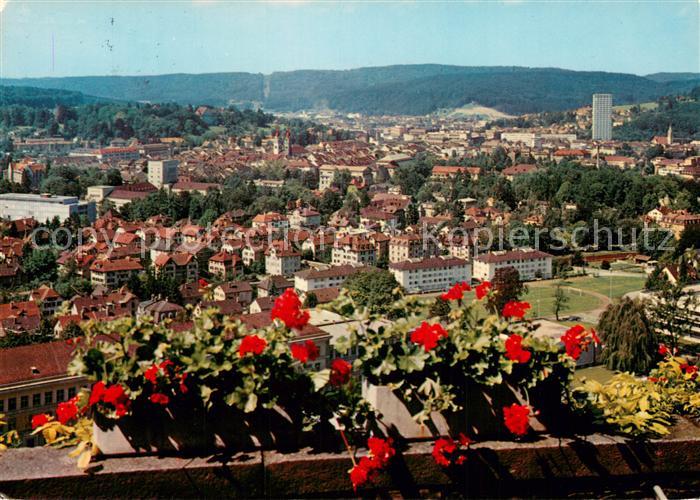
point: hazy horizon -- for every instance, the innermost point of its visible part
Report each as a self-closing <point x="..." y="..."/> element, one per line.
<point x="40" y="38"/>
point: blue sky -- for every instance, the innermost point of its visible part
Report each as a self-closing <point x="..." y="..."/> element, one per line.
<point x="200" y="36"/>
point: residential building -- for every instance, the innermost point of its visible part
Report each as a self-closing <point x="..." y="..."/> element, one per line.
<point x="361" y="174"/>
<point x="47" y="298"/>
<point x="26" y="172"/>
<point x="445" y="172"/>
<point x="411" y="246"/>
<point x="282" y="261"/>
<point x="270" y="220"/>
<point x="431" y="274"/>
<point x="304" y="218"/>
<point x="19" y="318"/>
<point x="181" y="267"/>
<point x="224" y="265"/>
<point x="531" y="264"/>
<point x="602" y="117"/>
<point x="44" y="207"/>
<point x="354" y="250"/>
<point x="314" y="279"/>
<point x="115" y="272"/>
<point x="240" y="291"/>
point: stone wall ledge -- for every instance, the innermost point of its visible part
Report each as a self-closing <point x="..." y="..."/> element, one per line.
<point x="593" y="465"/>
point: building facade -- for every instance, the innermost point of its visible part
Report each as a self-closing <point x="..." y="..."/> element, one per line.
<point x="431" y="274"/>
<point x="602" y="117"/>
<point x="531" y="264"/>
<point x="162" y="172"/>
<point x="44" y="207"/>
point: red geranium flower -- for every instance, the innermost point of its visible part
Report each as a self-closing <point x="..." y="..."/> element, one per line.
<point x="576" y="340"/>
<point x="202" y="283"/>
<point x="362" y="472"/>
<point x="67" y="411"/>
<point x="39" y="420"/>
<point x="340" y="372"/>
<point x="482" y="290"/>
<point x="287" y="308"/>
<point x="152" y="374"/>
<point x="456" y="292"/>
<point x="117" y="397"/>
<point x="442" y="449"/>
<point x="159" y="399"/>
<point x="689" y="369"/>
<point x="514" y="309"/>
<point x="428" y="335"/>
<point x="445" y="450"/>
<point x="515" y="351"/>
<point x="381" y="450"/>
<point x="307" y="351"/>
<point x="97" y="393"/>
<point x="251" y="344"/>
<point x="663" y="350"/>
<point x="517" y="418"/>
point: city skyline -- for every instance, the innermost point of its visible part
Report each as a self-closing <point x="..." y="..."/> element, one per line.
<point x="136" y="38"/>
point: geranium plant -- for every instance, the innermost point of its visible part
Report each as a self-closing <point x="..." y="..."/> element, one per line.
<point x="433" y="362"/>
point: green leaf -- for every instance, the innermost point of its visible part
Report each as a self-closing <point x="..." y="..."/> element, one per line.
<point x="251" y="404"/>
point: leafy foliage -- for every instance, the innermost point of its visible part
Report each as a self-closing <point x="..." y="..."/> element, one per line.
<point x="375" y="290"/>
<point x="629" y="336"/>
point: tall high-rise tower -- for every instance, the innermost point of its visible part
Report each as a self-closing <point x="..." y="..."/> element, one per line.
<point x="602" y="117"/>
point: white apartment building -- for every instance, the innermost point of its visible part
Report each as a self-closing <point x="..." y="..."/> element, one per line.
<point x="162" y="172"/>
<point x="313" y="279"/>
<point x="44" y="207"/>
<point x="431" y="274"/>
<point x="602" y="117"/>
<point x="531" y="264"/>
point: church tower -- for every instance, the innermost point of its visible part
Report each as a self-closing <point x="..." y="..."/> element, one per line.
<point x="669" y="135"/>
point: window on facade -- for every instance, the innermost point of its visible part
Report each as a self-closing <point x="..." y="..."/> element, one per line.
<point x="71" y="392"/>
<point x="60" y="395"/>
<point x="36" y="399"/>
<point x="24" y="402"/>
<point x="48" y="397"/>
<point x="11" y="404"/>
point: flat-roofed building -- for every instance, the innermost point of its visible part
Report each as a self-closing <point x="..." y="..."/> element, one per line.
<point x="44" y="207"/>
<point x="314" y="279"/>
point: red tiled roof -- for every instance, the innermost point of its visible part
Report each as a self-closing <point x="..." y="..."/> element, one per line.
<point x="34" y="362"/>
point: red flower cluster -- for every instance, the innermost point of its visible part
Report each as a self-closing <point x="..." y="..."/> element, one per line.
<point x="113" y="395"/>
<point x="340" y="372"/>
<point x="287" y="308"/>
<point x="154" y="371"/>
<point x="664" y="350"/>
<point x="252" y="344"/>
<point x="308" y="351"/>
<point x="39" y="420"/>
<point x="159" y="399"/>
<point x="67" y="411"/>
<point x="514" y="309"/>
<point x="446" y="450"/>
<point x="576" y="340"/>
<point x="367" y="468"/>
<point x="515" y="351"/>
<point x="517" y="418"/>
<point x="202" y="283"/>
<point x="483" y="289"/>
<point x="428" y="335"/>
<point x="688" y="369"/>
<point x="456" y="292"/>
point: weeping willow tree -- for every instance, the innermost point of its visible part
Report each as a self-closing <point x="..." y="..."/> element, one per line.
<point x="630" y="340"/>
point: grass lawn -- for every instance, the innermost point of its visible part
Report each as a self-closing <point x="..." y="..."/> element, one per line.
<point x="618" y="285"/>
<point x="599" y="373"/>
<point x="542" y="300"/>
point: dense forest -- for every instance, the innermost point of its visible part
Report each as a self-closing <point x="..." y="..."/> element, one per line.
<point x="42" y="98"/>
<point x="682" y="112"/>
<point x="402" y="89"/>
